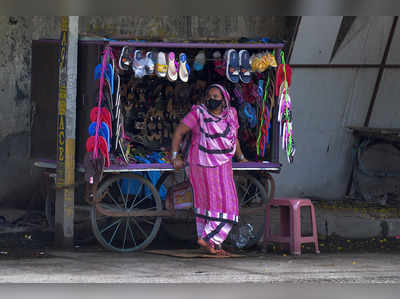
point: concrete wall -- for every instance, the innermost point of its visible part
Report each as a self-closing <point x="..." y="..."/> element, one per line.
<point x="18" y="180"/>
<point x="327" y="100"/>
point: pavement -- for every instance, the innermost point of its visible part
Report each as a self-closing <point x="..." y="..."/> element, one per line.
<point x="92" y="264"/>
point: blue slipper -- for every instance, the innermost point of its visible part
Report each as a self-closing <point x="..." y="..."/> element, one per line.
<point x="103" y="131"/>
<point x="245" y="67"/>
<point x="232" y="66"/>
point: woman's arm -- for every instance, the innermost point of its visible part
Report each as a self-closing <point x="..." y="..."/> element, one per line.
<point x="180" y="131"/>
<point x="239" y="154"/>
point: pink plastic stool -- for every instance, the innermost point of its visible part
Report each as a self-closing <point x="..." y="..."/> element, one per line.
<point x="290" y="224"/>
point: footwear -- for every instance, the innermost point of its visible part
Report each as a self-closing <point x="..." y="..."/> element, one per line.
<point x="184" y="69"/>
<point x="232" y="66"/>
<point x="138" y="64"/>
<point x="219" y="65"/>
<point x="172" y="73"/>
<point x="149" y="63"/>
<point x="161" y="65"/>
<point x="199" y="61"/>
<point x="125" y="59"/>
<point x="245" y="67"/>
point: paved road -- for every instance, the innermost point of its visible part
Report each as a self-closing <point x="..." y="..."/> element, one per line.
<point x="98" y="266"/>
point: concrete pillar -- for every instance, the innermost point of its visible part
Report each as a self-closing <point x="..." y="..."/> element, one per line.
<point x="64" y="207"/>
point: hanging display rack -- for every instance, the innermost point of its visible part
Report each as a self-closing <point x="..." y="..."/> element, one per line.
<point x="196" y="45"/>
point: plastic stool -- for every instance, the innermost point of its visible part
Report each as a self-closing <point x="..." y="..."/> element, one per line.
<point x="290" y="224"/>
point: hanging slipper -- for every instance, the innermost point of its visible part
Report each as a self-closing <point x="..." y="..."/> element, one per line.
<point x="199" y="61"/>
<point x="105" y="116"/>
<point x="151" y="128"/>
<point x="280" y="77"/>
<point x="245" y="67"/>
<point x="138" y="64"/>
<point x="149" y="63"/>
<point x="161" y="65"/>
<point x="232" y="66"/>
<point x="102" y="146"/>
<point x="251" y="115"/>
<point x="103" y="131"/>
<point x="184" y="69"/>
<point x="125" y="59"/>
<point x="172" y="73"/>
<point x="219" y="65"/>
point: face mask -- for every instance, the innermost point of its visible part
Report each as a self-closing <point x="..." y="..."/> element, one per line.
<point x="212" y="104"/>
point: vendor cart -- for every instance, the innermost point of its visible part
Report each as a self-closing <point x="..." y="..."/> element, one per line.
<point x="129" y="209"/>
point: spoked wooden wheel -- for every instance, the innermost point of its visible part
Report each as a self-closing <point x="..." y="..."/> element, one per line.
<point x="123" y="193"/>
<point x="251" y="195"/>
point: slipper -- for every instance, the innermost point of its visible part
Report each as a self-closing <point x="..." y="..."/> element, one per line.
<point x="219" y="65"/>
<point x="103" y="131"/>
<point x="280" y="77"/>
<point x="184" y="69"/>
<point x="237" y="91"/>
<point x="105" y="116"/>
<point x="102" y="146"/>
<point x="248" y="113"/>
<point x="149" y="63"/>
<point x="199" y="61"/>
<point x="245" y="67"/>
<point x="172" y="73"/>
<point x="138" y="64"/>
<point x="161" y="65"/>
<point x="232" y="66"/>
<point x="125" y="59"/>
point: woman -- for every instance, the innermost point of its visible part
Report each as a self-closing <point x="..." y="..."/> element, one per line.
<point x="214" y="127"/>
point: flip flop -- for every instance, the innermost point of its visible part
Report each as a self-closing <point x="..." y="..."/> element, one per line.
<point x="103" y="131"/>
<point x="161" y="65"/>
<point x="184" y="69"/>
<point x="199" y="61"/>
<point x="172" y="73"/>
<point x="245" y="67"/>
<point x="125" y="59"/>
<point x="232" y="66"/>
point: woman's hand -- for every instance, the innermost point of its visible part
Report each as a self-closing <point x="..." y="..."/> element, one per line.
<point x="178" y="163"/>
<point x="243" y="160"/>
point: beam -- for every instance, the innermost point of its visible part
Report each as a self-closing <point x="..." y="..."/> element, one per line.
<point x="66" y="124"/>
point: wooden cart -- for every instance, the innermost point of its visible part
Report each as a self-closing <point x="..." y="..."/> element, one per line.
<point x="123" y="221"/>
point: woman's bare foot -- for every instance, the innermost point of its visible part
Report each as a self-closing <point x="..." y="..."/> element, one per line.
<point x="222" y="252"/>
<point x="205" y="246"/>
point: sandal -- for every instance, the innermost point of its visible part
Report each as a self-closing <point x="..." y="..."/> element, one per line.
<point x="125" y="59"/>
<point x="138" y="64"/>
<point x="199" y="61"/>
<point x="161" y="65"/>
<point x="172" y="73"/>
<point x="184" y="69"/>
<point x="149" y="63"/>
<point x="245" y="66"/>
<point x="232" y="66"/>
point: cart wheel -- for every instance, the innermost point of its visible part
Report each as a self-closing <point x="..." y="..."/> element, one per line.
<point x="126" y="234"/>
<point x="251" y="194"/>
<point x="178" y="229"/>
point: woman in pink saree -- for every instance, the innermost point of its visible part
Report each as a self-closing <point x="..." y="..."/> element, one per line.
<point x="214" y="127"/>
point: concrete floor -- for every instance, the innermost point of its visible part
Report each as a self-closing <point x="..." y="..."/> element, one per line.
<point x="94" y="265"/>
